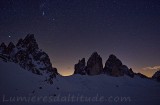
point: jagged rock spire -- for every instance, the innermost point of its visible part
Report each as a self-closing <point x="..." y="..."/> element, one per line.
<point x="29" y="42"/>
<point x="3" y="48"/>
<point x="80" y="67"/>
<point x="10" y="47"/>
<point x="27" y="54"/>
<point x="114" y="67"/>
<point x="3" y="45"/>
<point x="94" y="64"/>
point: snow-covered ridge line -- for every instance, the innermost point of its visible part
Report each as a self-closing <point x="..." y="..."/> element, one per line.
<point x="27" y="54"/>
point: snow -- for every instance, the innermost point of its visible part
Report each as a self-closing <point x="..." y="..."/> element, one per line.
<point x="38" y="64"/>
<point x="16" y="81"/>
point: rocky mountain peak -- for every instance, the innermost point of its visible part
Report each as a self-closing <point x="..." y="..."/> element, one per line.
<point x="112" y="56"/>
<point x="27" y="54"/>
<point x="2" y="48"/>
<point x="11" y="45"/>
<point x="114" y="67"/>
<point x="94" y="54"/>
<point x="80" y="67"/>
<point x="30" y="39"/>
<point x="3" y="45"/>
<point x="94" y="64"/>
<point x="10" y="48"/>
<point x="29" y="43"/>
<point x="113" y="60"/>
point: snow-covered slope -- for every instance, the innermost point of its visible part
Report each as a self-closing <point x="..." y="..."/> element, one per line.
<point x="15" y="80"/>
<point x="75" y="89"/>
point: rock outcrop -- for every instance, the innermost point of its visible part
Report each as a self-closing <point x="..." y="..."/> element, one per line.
<point x="80" y="67"/>
<point x="3" y="48"/>
<point x="27" y="54"/>
<point x="114" y="67"/>
<point x="94" y="64"/>
<point x="156" y="76"/>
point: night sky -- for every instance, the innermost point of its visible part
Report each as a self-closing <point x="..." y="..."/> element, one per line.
<point x="68" y="30"/>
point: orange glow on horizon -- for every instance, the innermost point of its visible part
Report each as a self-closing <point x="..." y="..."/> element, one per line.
<point x="65" y="72"/>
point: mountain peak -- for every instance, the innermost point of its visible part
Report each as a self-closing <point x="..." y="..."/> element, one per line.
<point x="113" y="66"/>
<point x="27" y="54"/>
<point x="94" y="64"/>
<point x="3" y="45"/>
<point x="30" y="37"/>
<point x="30" y="41"/>
<point x="80" y="67"/>
<point x="94" y="54"/>
<point x="112" y="56"/>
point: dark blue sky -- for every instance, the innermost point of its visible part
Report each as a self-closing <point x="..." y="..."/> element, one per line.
<point x="71" y="29"/>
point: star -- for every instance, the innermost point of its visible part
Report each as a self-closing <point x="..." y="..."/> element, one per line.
<point x="43" y="13"/>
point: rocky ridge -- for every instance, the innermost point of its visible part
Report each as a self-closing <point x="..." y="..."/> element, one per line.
<point x="27" y="54"/>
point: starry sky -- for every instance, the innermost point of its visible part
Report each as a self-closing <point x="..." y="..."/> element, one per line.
<point x="68" y="30"/>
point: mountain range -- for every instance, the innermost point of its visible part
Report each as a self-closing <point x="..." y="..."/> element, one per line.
<point x="28" y="77"/>
<point x="29" y="56"/>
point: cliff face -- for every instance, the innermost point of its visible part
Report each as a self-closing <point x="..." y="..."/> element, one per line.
<point x="94" y="64"/>
<point x="80" y="67"/>
<point x="113" y="66"/>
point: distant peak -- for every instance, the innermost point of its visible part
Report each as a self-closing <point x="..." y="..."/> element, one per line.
<point x="28" y="42"/>
<point x="95" y="54"/>
<point x="82" y="60"/>
<point x="2" y="44"/>
<point x="11" y="44"/>
<point x="112" y="56"/>
<point x="30" y="36"/>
